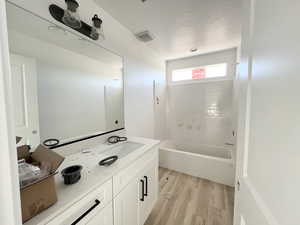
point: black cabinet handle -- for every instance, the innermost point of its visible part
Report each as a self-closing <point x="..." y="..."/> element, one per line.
<point x="143" y="190"/>
<point x="146" y="179"/>
<point x="97" y="202"/>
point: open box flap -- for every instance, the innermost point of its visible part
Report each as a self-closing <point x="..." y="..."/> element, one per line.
<point x="43" y="154"/>
<point x="18" y="139"/>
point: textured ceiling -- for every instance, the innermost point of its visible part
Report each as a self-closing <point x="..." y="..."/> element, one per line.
<point x="179" y="25"/>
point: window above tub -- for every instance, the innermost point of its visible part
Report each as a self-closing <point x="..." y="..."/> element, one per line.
<point x="200" y="73"/>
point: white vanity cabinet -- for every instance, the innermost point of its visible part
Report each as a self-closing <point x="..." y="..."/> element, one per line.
<point x="135" y="201"/>
<point x="126" y="198"/>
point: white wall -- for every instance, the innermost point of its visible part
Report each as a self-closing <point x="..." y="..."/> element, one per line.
<point x="141" y="65"/>
<point x="202" y="113"/>
<point x="139" y="105"/>
<point x="71" y="103"/>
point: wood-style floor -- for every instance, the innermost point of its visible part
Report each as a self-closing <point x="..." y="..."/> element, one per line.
<point x="187" y="200"/>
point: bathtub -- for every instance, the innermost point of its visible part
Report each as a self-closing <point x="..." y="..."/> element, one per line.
<point x="208" y="162"/>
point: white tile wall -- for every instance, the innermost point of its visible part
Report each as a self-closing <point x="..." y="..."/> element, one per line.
<point x="201" y="113"/>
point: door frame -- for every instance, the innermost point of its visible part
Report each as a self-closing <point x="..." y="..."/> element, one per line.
<point x="10" y="213"/>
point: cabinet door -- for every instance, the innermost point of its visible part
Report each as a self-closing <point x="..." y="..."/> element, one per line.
<point x="143" y="200"/>
<point x="150" y="177"/>
<point x="104" y="217"/>
<point x="126" y="205"/>
<point x="152" y="190"/>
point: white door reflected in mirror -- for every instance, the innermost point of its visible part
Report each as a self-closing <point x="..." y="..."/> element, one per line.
<point x="24" y="86"/>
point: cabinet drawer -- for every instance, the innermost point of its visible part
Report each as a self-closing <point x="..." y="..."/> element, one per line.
<point x="92" y="202"/>
<point x="123" y="178"/>
<point x="99" y="217"/>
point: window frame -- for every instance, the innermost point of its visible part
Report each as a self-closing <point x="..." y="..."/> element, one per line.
<point x="202" y="80"/>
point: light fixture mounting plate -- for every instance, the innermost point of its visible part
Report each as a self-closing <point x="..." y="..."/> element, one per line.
<point x="57" y="13"/>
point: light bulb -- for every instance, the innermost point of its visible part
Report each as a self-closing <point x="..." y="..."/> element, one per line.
<point x="97" y="30"/>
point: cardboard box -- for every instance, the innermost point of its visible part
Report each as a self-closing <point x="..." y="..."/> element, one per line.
<point x="40" y="195"/>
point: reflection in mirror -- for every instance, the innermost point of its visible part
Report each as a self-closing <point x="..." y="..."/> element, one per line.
<point x="64" y="86"/>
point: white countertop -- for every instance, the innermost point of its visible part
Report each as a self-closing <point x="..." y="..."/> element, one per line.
<point x="92" y="175"/>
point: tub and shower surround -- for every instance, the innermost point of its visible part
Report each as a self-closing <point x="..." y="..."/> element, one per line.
<point x="200" y="114"/>
<point x="200" y="128"/>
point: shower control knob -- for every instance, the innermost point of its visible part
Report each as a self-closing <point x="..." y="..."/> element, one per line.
<point x="238" y="185"/>
<point x="229" y="144"/>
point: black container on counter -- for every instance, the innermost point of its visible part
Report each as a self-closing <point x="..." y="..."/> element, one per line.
<point x="71" y="174"/>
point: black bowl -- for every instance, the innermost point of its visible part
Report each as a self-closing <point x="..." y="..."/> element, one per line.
<point x="71" y="174"/>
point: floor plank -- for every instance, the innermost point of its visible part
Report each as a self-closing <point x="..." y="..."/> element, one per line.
<point x="187" y="200"/>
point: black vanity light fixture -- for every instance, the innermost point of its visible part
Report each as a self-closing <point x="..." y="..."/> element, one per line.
<point x="70" y="17"/>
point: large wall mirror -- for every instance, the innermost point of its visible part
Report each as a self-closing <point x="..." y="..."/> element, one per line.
<point x="65" y="87"/>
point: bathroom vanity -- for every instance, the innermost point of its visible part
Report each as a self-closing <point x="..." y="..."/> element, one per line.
<point x="68" y="94"/>
<point x="121" y="194"/>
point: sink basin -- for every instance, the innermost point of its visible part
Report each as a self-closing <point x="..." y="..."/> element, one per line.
<point x="89" y="160"/>
<point x="123" y="149"/>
